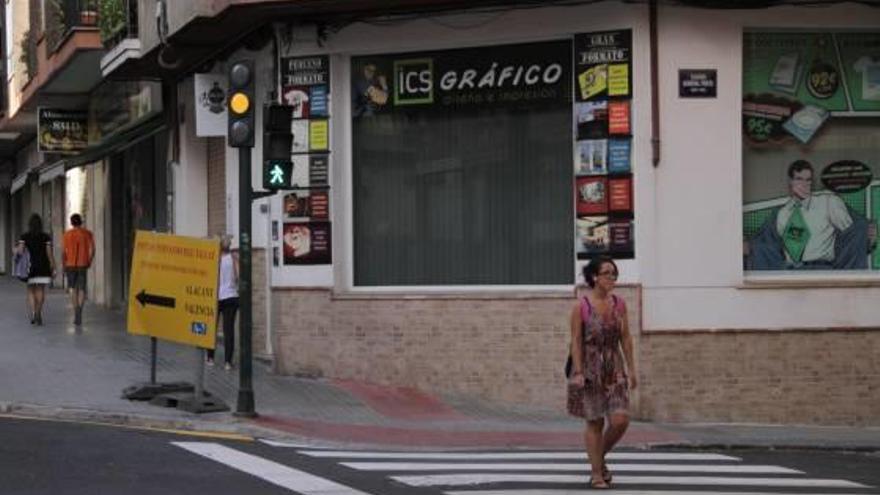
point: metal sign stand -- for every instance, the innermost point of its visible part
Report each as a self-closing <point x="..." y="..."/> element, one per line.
<point x="149" y="390"/>
<point x="198" y="401"/>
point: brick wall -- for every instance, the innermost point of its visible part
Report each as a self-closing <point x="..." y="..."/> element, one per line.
<point x="796" y="377"/>
<point x="216" y="151"/>
<point x="512" y="350"/>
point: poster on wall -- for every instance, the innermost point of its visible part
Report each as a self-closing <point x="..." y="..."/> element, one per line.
<point x="603" y="65"/>
<point x="811" y="194"/>
<point x="592" y="236"/>
<point x="307" y="204"/>
<point x="602" y="82"/>
<point x="305" y="85"/>
<point x="306" y="243"/>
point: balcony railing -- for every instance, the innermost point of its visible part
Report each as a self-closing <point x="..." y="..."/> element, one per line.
<point x="118" y="20"/>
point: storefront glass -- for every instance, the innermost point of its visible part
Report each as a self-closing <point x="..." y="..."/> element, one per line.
<point x="462" y="166"/>
<point x="811" y="158"/>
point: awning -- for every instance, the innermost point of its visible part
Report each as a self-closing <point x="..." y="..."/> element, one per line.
<point x="51" y="172"/>
<point x="18" y="182"/>
<point x="118" y="141"/>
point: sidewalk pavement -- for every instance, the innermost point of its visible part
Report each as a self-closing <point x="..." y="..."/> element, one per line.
<point x="59" y="371"/>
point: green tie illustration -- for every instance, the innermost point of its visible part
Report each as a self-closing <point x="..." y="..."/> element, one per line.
<point x="796" y="234"/>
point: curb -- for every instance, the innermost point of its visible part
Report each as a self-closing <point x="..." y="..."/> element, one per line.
<point x="856" y="449"/>
<point x="143" y="421"/>
<point x="294" y="431"/>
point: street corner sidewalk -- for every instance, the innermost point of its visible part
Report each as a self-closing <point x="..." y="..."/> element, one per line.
<point x="354" y="412"/>
<point x="78" y="373"/>
<point x="409" y="418"/>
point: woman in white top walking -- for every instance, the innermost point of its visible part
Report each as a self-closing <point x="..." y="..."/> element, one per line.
<point x="227" y="294"/>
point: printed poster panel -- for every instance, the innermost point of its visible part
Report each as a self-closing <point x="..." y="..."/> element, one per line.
<point x="300" y="141"/>
<point x="593" y="236"/>
<point x="602" y="82"/>
<point x="810" y="167"/>
<point x="592" y="119"/>
<point x="314" y="205"/>
<point x="300" y="77"/>
<point x="306" y="243"/>
<point x="592" y="157"/>
<point x="592" y="195"/>
<point x="305" y="85"/>
<point x="618" y="156"/>
<point x="603" y="65"/>
<point x="62" y="131"/>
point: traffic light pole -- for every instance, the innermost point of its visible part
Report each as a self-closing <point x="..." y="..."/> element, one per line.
<point x="245" y="406"/>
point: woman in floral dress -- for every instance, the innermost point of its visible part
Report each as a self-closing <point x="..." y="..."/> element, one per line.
<point x="599" y="384"/>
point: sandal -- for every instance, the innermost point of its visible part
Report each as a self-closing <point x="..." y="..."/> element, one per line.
<point x="606" y="474"/>
<point x="598" y="484"/>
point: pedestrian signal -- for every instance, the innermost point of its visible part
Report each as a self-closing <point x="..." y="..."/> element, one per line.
<point x="276" y="174"/>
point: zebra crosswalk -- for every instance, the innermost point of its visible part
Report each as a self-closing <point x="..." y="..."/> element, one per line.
<point x="524" y="473"/>
<point x="668" y="469"/>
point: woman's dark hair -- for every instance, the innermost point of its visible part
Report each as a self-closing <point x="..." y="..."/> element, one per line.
<point x="35" y="224"/>
<point x="591" y="269"/>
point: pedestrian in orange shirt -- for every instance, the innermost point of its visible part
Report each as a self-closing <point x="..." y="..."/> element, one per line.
<point x="79" y="252"/>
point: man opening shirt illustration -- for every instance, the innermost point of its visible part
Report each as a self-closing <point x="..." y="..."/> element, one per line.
<point x="811" y="231"/>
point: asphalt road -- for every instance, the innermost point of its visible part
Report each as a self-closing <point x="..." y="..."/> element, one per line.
<point x="47" y="457"/>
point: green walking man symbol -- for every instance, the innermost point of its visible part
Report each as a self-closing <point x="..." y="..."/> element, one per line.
<point x="276" y="175"/>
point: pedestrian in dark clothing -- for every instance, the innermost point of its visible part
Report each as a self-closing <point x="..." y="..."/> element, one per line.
<point x="42" y="269"/>
<point x="227" y="292"/>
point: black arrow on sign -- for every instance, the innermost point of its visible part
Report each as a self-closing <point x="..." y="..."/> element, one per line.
<point x="144" y="299"/>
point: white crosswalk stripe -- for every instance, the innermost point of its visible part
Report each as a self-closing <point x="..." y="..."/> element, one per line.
<point x="273" y="472"/>
<point x="476" y="456"/>
<point x="686" y="468"/>
<point x="527" y="473"/>
<point x="485" y="478"/>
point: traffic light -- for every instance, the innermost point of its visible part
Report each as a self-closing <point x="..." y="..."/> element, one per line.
<point x="241" y="104"/>
<point x="277" y="143"/>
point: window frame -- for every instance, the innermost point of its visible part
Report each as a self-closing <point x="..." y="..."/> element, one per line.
<point x="344" y="277"/>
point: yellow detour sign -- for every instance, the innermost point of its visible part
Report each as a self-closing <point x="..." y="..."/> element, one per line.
<point x="173" y="290"/>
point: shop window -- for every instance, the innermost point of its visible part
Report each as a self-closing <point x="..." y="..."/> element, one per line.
<point x="462" y="167"/>
<point x="811" y="157"/>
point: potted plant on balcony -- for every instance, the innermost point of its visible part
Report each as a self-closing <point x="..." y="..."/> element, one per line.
<point x="111" y="21"/>
<point x="88" y="13"/>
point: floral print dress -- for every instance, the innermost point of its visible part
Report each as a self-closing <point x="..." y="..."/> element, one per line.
<point x="606" y="390"/>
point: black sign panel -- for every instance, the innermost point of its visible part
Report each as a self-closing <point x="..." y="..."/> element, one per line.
<point x="305" y="71"/>
<point x="697" y="83"/>
<point x="511" y="75"/>
<point x="603" y="65"/>
<point x="62" y="131"/>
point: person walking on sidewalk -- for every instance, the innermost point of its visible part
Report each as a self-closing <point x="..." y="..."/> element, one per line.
<point x="599" y="384"/>
<point x="227" y="294"/>
<point x="42" y="269"/>
<point x="79" y="252"/>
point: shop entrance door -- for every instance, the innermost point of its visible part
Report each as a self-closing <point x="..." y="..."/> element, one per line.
<point x="138" y="178"/>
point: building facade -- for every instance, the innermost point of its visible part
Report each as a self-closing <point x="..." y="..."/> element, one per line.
<point x="456" y="164"/>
